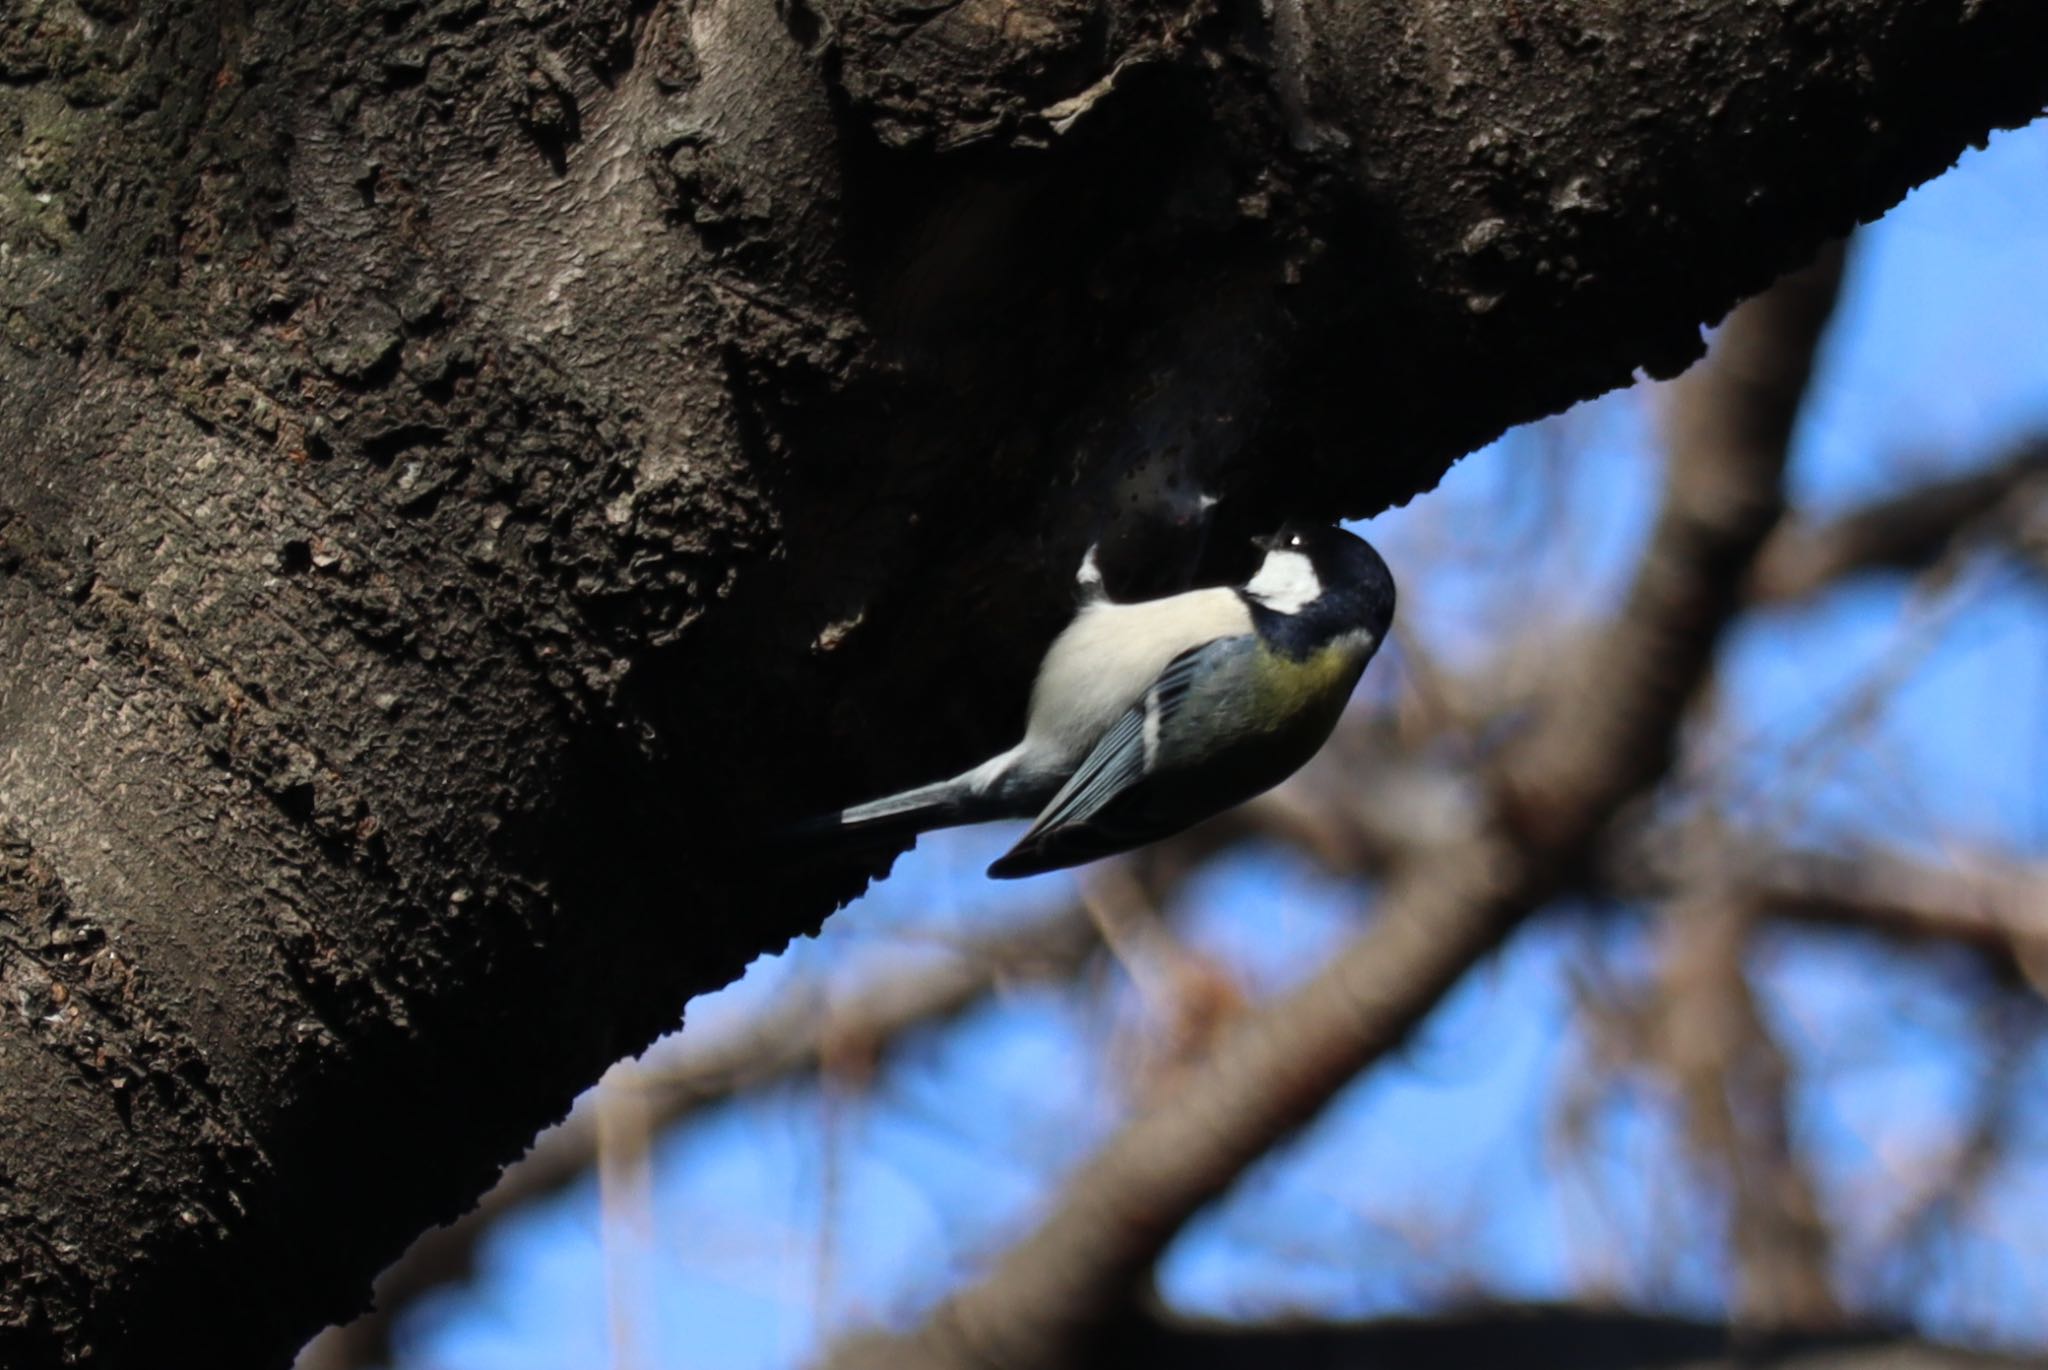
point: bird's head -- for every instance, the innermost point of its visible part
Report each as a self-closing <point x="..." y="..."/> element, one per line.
<point x="1324" y="572"/>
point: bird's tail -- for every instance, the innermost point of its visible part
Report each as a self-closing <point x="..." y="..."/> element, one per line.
<point x="946" y="804"/>
<point x="938" y="805"/>
<point x="974" y="797"/>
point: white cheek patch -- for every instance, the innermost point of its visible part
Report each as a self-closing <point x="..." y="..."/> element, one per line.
<point x="1286" y="582"/>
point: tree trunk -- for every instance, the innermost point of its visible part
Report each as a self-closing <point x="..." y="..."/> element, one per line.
<point x="471" y="469"/>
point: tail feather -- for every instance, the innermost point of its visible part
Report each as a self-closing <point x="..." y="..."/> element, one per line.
<point x="988" y="791"/>
<point x="918" y="810"/>
<point x="946" y="804"/>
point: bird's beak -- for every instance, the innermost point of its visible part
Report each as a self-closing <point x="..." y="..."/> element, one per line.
<point x="1267" y="542"/>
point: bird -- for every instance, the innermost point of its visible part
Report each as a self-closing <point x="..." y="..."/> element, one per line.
<point x="1149" y="716"/>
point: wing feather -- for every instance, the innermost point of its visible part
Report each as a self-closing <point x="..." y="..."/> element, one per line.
<point x="1120" y="759"/>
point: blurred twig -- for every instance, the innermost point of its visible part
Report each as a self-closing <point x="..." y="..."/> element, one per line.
<point x="1908" y="531"/>
<point x="625" y="1182"/>
<point x="1374" y="803"/>
<point x="1996" y="907"/>
<point x="1733" y="1084"/>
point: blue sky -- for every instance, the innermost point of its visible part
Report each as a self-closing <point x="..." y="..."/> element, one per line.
<point x="805" y="1208"/>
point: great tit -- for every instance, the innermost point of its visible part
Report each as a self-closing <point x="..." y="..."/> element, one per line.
<point x="1150" y="716"/>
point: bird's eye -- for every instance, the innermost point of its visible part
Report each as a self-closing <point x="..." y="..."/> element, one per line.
<point x="1294" y="541"/>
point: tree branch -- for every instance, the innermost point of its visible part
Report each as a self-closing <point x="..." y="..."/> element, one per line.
<point x="1909" y="531"/>
<point x="1509" y="1337"/>
<point x="1998" y="908"/>
<point x="1733" y="1080"/>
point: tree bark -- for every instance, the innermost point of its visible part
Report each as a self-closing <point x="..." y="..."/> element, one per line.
<point x="473" y="468"/>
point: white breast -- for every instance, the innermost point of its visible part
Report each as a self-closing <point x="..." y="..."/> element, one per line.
<point x="1108" y="656"/>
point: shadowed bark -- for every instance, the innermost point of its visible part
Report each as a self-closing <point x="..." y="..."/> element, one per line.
<point x="471" y="469"/>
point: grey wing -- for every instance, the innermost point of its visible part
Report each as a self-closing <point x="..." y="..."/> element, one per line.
<point x="1120" y="760"/>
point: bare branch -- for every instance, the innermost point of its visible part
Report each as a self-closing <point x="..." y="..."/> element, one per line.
<point x="1732" y="1080"/>
<point x="1499" y="1337"/>
<point x="1995" y="906"/>
<point x="1998" y="908"/>
<point x="1908" y="531"/>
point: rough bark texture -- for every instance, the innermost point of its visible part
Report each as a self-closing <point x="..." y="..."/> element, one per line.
<point x="469" y="468"/>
